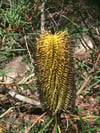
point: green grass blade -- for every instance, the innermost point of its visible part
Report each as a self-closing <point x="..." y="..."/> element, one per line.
<point x="41" y="131"/>
<point x="81" y="121"/>
<point x="92" y="129"/>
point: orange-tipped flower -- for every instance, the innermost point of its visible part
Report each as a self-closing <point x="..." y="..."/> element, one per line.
<point x="54" y="62"/>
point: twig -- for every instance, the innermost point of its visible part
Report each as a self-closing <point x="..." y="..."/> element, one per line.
<point x="82" y="117"/>
<point x="36" y="6"/>
<point x="74" y="125"/>
<point x="42" y="7"/>
<point x="91" y="73"/>
<point x="35" y="122"/>
<point x="2" y="24"/>
<point x="3" y="39"/>
<point x="16" y="42"/>
<point x="24" y="99"/>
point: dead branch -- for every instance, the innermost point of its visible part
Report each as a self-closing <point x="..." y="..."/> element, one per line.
<point x="42" y="7"/>
<point x="24" y="99"/>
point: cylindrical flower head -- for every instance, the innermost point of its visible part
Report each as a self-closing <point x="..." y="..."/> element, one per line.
<point x="54" y="62"/>
<point x="2" y="128"/>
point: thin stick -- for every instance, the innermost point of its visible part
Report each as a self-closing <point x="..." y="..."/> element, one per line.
<point x="74" y="125"/>
<point x="91" y="73"/>
<point x="35" y="122"/>
<point x="42" y="18"/>
<point x="82" y="117"/>
<point x="36" y="6"/>
<point x="24" y="99"/>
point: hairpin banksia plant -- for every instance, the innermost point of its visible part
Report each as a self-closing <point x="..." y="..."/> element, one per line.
<point x="54" y="62"/>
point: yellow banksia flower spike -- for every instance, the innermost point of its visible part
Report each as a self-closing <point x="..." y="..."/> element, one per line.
<point x="54" y="62"/>
<point x="2" y="128"/>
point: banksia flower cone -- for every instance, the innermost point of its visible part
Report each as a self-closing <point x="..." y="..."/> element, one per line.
<point x="54" y="62"/>
<point x="2" y="128"/>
